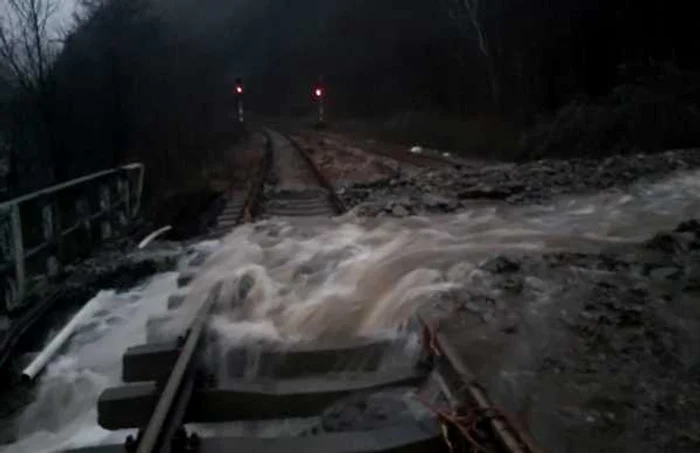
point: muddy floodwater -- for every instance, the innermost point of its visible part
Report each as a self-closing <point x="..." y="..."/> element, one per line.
<point x="579" y="315"/>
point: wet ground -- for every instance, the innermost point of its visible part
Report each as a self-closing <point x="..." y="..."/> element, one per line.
<point x="593" y="351"/>
<point x="580" y="315"/>
<point x="40" y="414"/>
<point x="289" y="170"/>
<point x="459" y="189"/>
<point x="571" y="288"/>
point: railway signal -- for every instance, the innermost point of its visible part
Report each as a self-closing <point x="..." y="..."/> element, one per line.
<point x="239" y="98"/>
<point x="319" y="94"/>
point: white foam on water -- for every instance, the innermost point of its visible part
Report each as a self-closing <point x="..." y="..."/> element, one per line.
<point x="304" y="280"/>
<point x="64" y="413"/>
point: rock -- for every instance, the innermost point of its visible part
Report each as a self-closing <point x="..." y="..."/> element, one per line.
<point x="664" y="273"/>
<point x="514" y="285"/>
<point x="472" y="307"/>
<point x="693" y="280"/>
<point x="500" y="265"/>
<point x="510" y="329"/>
<point x="669" y="242"/>
<point x="244" y="286"/>
<point x="487" y="317"/>
<point x="525" y="183"/>
<point x="399" y="211"/>
<point x="483" y="192"/>
<point x="689" y="226"/>
<point x="452" y="206"/>
<point x="369" y="413"/>
<point x="436" y="201"/>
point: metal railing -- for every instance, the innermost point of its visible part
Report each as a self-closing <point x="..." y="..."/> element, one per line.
<point x="43" y="230"/>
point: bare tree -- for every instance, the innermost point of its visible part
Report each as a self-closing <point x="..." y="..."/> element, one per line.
<point x="27" y="52"/>
<point x="86" y="10"/>
<point x="26" y="48"/>
<point x="472" y="12"/>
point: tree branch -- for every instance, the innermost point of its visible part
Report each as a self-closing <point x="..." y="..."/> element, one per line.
<point x="24" y="41"/>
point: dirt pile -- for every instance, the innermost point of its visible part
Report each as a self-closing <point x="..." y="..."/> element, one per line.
<point x="446" y="191"/>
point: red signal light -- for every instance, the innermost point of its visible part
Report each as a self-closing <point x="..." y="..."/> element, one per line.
<point x="239" y="89"/>
<point x="318" y="92"/>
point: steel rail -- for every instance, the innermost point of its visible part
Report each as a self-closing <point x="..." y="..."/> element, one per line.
<point x="511" y="437"/>
<point x="168" y="413"/>
<point x="255" y="191"/>
<point x="337" y="202"/>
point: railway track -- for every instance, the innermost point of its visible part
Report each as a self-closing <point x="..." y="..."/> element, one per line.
<point x="299" y="188"/>
<point x="428" y="402"/>
<point x="407" y="392"/>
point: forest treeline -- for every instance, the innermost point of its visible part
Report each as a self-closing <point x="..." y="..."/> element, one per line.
<point x="125" y="86"/>
<point x="151" y="80"/>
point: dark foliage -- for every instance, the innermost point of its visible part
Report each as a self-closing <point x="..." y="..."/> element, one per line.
<point x="128" y="86"/>
<point x="151" y="80"/>
<point x="655" y="113"/>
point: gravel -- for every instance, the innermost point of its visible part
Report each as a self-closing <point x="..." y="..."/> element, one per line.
<point x="593" y="352"/>
<point x="452" y="190"/>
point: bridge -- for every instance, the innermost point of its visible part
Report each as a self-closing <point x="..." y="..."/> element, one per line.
<point x="42" y="231"/>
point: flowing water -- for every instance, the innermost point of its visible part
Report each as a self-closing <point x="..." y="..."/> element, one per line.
<point x="312" y="278"/>
<point x="306" y="279"/>
<point x="64" y="413"/>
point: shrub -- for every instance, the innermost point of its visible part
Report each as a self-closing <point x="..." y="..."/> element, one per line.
<point x="649" y="116"/>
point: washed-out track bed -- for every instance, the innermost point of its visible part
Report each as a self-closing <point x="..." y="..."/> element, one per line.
<point x="186" y="390"/>
<point x="404" y="392"/>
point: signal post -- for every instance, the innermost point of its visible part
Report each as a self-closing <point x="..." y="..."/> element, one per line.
<point x="319" y="94"/>
<point x="239" y="99"/>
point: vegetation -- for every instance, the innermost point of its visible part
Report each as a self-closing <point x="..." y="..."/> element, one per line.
<point x="657" y="112"/>
<point x="127" y="85"/>
<point x="151" y="80"/>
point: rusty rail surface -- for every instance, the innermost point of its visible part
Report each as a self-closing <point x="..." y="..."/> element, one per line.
<point x="466" y="395"/>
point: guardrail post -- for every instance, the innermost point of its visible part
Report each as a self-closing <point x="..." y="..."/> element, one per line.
<point x="136" y="206"/>
<point x="58" y="218"/>
<point x="125" y="196"/>
<point x="82" y="209"/>
<point x="18" y="248"/>
<point x="105" y="210"/>
<point x="49" y="230"/>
